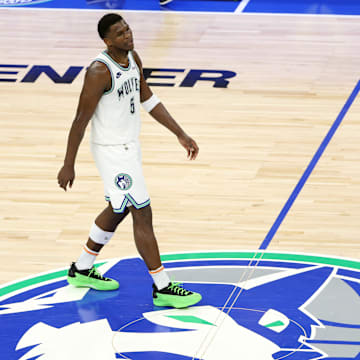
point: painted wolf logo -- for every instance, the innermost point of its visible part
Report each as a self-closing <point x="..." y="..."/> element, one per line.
<point x="123" y="181"/>
<point x="268" y="321"/>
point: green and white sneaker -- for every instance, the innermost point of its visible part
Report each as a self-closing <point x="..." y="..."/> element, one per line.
<point x="175" y="295"/>
<point x="90" y="278"/>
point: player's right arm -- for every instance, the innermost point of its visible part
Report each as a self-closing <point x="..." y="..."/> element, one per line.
<point x="97" y="81"/>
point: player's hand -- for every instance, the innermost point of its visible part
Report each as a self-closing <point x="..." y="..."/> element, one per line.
<point x="190" y="145"/>
<point x="66" y="176"/>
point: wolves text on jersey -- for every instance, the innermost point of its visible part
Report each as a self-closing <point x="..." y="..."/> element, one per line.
<point x="128" y="87"/>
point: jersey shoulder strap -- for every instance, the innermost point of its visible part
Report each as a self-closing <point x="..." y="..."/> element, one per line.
<point x="105" y="60"/>
<point x="132" y="59"/>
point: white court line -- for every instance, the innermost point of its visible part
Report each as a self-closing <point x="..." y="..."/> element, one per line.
<point x="241" y="6"/>
<point x="103" y="11"/>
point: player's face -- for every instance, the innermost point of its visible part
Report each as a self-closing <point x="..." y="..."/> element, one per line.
<point x="120" y="36"/>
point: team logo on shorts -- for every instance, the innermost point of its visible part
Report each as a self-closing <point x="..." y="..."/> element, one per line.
<point x="123" y="181"/>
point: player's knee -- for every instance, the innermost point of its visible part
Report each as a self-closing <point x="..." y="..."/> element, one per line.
<point x="125" y="212"/>
<point x="142" y="216"/>
<point x="121" y="216"/>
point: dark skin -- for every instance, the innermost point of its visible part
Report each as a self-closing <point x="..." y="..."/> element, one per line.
<point x="119" y="42"/>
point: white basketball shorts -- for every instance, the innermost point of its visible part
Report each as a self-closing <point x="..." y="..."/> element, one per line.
<point x="121" y="171"/>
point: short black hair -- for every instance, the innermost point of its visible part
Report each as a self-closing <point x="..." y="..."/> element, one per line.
<point x="105" y="22"/>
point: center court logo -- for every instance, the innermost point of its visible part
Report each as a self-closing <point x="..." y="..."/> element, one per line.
<point x="288" y="306"/>
<point x="4" y="3"/>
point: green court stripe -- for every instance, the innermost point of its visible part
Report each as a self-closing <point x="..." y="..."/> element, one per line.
<point x="32" y="281"/>
<point x="266" y="256"/>
<point x="190" y="319"/>
<point x="35" y="280"/>
<point x="314" y="259"/>
<point x="211" y="255"/>
<point x="275" y="323"/>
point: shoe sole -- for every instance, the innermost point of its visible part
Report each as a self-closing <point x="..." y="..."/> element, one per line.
<point x="89" y="284"/>
<point x="166" y="2"/>
<point x="178" y="304"/>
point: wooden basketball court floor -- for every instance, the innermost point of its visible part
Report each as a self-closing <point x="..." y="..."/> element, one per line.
<point x="256" y="137"/>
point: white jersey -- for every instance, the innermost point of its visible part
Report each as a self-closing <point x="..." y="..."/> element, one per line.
<point x="116" y="119"/>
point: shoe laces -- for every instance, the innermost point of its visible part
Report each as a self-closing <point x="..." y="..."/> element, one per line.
<point x="177" y="288"/>
<point x="95" y="273"/>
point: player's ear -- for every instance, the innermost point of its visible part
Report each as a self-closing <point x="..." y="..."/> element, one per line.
<point x="108" y="42"/>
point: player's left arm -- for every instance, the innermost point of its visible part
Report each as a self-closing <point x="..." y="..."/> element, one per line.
<point x="158" y="111"/>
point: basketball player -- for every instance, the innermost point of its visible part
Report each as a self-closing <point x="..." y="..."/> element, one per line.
<point x="113" y="89"/>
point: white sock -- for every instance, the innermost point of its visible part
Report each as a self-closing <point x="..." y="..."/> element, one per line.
<point x="86" y="259"/>
<point x="160" y="277"/>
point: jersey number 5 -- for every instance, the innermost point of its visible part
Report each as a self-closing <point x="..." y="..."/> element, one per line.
<point x="132" y="105"/>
